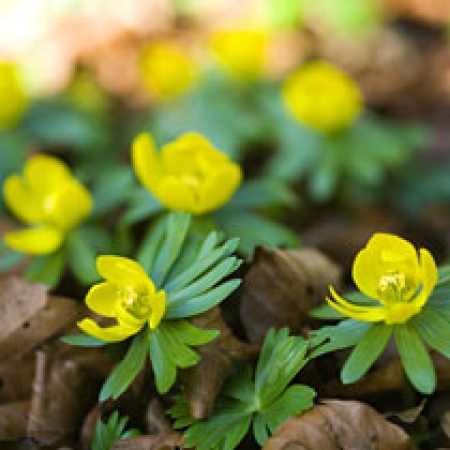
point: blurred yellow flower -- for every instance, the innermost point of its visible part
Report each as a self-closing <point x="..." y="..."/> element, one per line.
<point x="322" y="97"/>
<point x="389" y="270"/>
<point x="128" y="296"/>
<point x="50" y="199"/>
<point x="166" y="70"/>
<point x="13" y="100"/>
<point x="241" y="52"/>
<point x="189" y="174"/>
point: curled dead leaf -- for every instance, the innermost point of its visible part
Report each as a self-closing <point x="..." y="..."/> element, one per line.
<point x="13" y="420"/>
<point x="19" y="301"/>
<point x="202" y="382"/>
<point x="16" y="378"/>
<point x="282" y="286"/>
<point x="63" y="392"/>
<point x="55" y="315"/>
<point x="343" y="425"/>
<point x="173" y="441"/>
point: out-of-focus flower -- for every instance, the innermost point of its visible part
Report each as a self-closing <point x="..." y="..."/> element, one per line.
<point x="128" y="295"/>
<point x="166" y="70"/>
<point x="48" y="198"/>
<point x="189" y="174"/>
<point x="390" y="271"/>
<point x="13" y="99"/>
<point x="322" y="97"/>
<point x="241" y="52"/>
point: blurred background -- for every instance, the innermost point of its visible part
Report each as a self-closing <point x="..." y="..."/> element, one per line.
<point x="81" y="78"/>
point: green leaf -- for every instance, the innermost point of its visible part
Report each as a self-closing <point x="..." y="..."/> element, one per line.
<point x="444" y="275"/>
<point x="9" y="259"/>
<point x="46" y="269"/>
<point x="188" y="307"/>
<point x="261" y="193"/>
<point x="325" y="312"/>
<point x="177" y="228"/>
<point x="127" y="370"/>
<point x="82" y="258"/>
<point x="281" y="358"/>
<point x="434" y="329"/>
<point x="415" y="358"/>
<point x="367" y="350"/>
<point x="149" y="248"/>
<point x="111" y="188"/>
<point x="294" y="400"/>
<point x="170" y="348"/>
<point x="82" y="340"/>
<point x="207" y="281"/>
<point x="208" y="256"/>
<point x="253" y="230"/>
<point x="346" y="333"/>
<point x="105" y="434"/>
<point x="141" y="206"/>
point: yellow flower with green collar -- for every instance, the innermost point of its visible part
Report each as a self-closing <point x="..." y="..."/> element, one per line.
<point x="390" y="270"/>
<point x="188" y="174"/>
<point x="50" y="200"/>
<point x="166" y="70"/>
<point x="322" y="97"/>
<point x="241" y="52"/>
<point x="128" y="296"/>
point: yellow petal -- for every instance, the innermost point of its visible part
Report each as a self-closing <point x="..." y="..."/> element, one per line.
<point x="45" y="173"/>
<point x="383" y="254"/>
<point x="102" y="299"/>
<point x="176" y="195"/>
<point x="39" y="240"/>
<point x="123" y="271"/>
<point x="188" y="153"/>
<point x="158" y="305"/>
<point x="127" y="319"/>
<point x="72" y="203"/>
<point x="146" y="162"/>
<point x="21" y="201"/>
<point x="429" y="277"/>
<point x="219" y="187"/>
<point x="115" y="333"/>
<point x="357" y="312"/>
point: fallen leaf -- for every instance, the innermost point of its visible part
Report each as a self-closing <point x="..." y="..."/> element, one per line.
<point x="13" y="420"/>
<point x="173" y="441"/>
<point x="282" y="286"/>
<point x="202" y="383"/>
<point x="63" y="392"/>
<point x="55" y="315"/>
<point x="19" y="302"/>
<point x="16" y="378"/>
<point x="156" y="419"/>
<point x="339" y="425"/>
<point x="409" y="415"/>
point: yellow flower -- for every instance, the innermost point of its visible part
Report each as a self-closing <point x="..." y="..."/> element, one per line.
<point x="389" y="270"/>
<point x="13" y="100"/>
<point x="127" y="296"/>
<point x="166" y="70"/>
<point x="241" y="52"/>
<point x="50" y="199"/>
<point x="322" y="97"/>
<point x="189" y="174"/>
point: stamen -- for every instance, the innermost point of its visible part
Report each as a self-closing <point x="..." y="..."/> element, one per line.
<point x="392" y="286"/>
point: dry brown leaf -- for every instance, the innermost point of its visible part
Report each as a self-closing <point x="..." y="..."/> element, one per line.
<point x="58" y="313"/>
<point x="172" y="441"/>
<point x="409" y="415"/>
<point x="202" y="382"/>
<point x="445" y="423"/>
<point x="63" y="392"/>
<point x="282" y="286"/>
<point x="13" y="420"/>
<point x="339" y="425"/>
<point x="432" y="11"/>
<point x="19" y="301"/>
<point x="16" y="378"/>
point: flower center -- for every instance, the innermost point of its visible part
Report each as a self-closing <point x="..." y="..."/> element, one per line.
<point x="392" y="287"/>
<point x="136" y="301"/>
